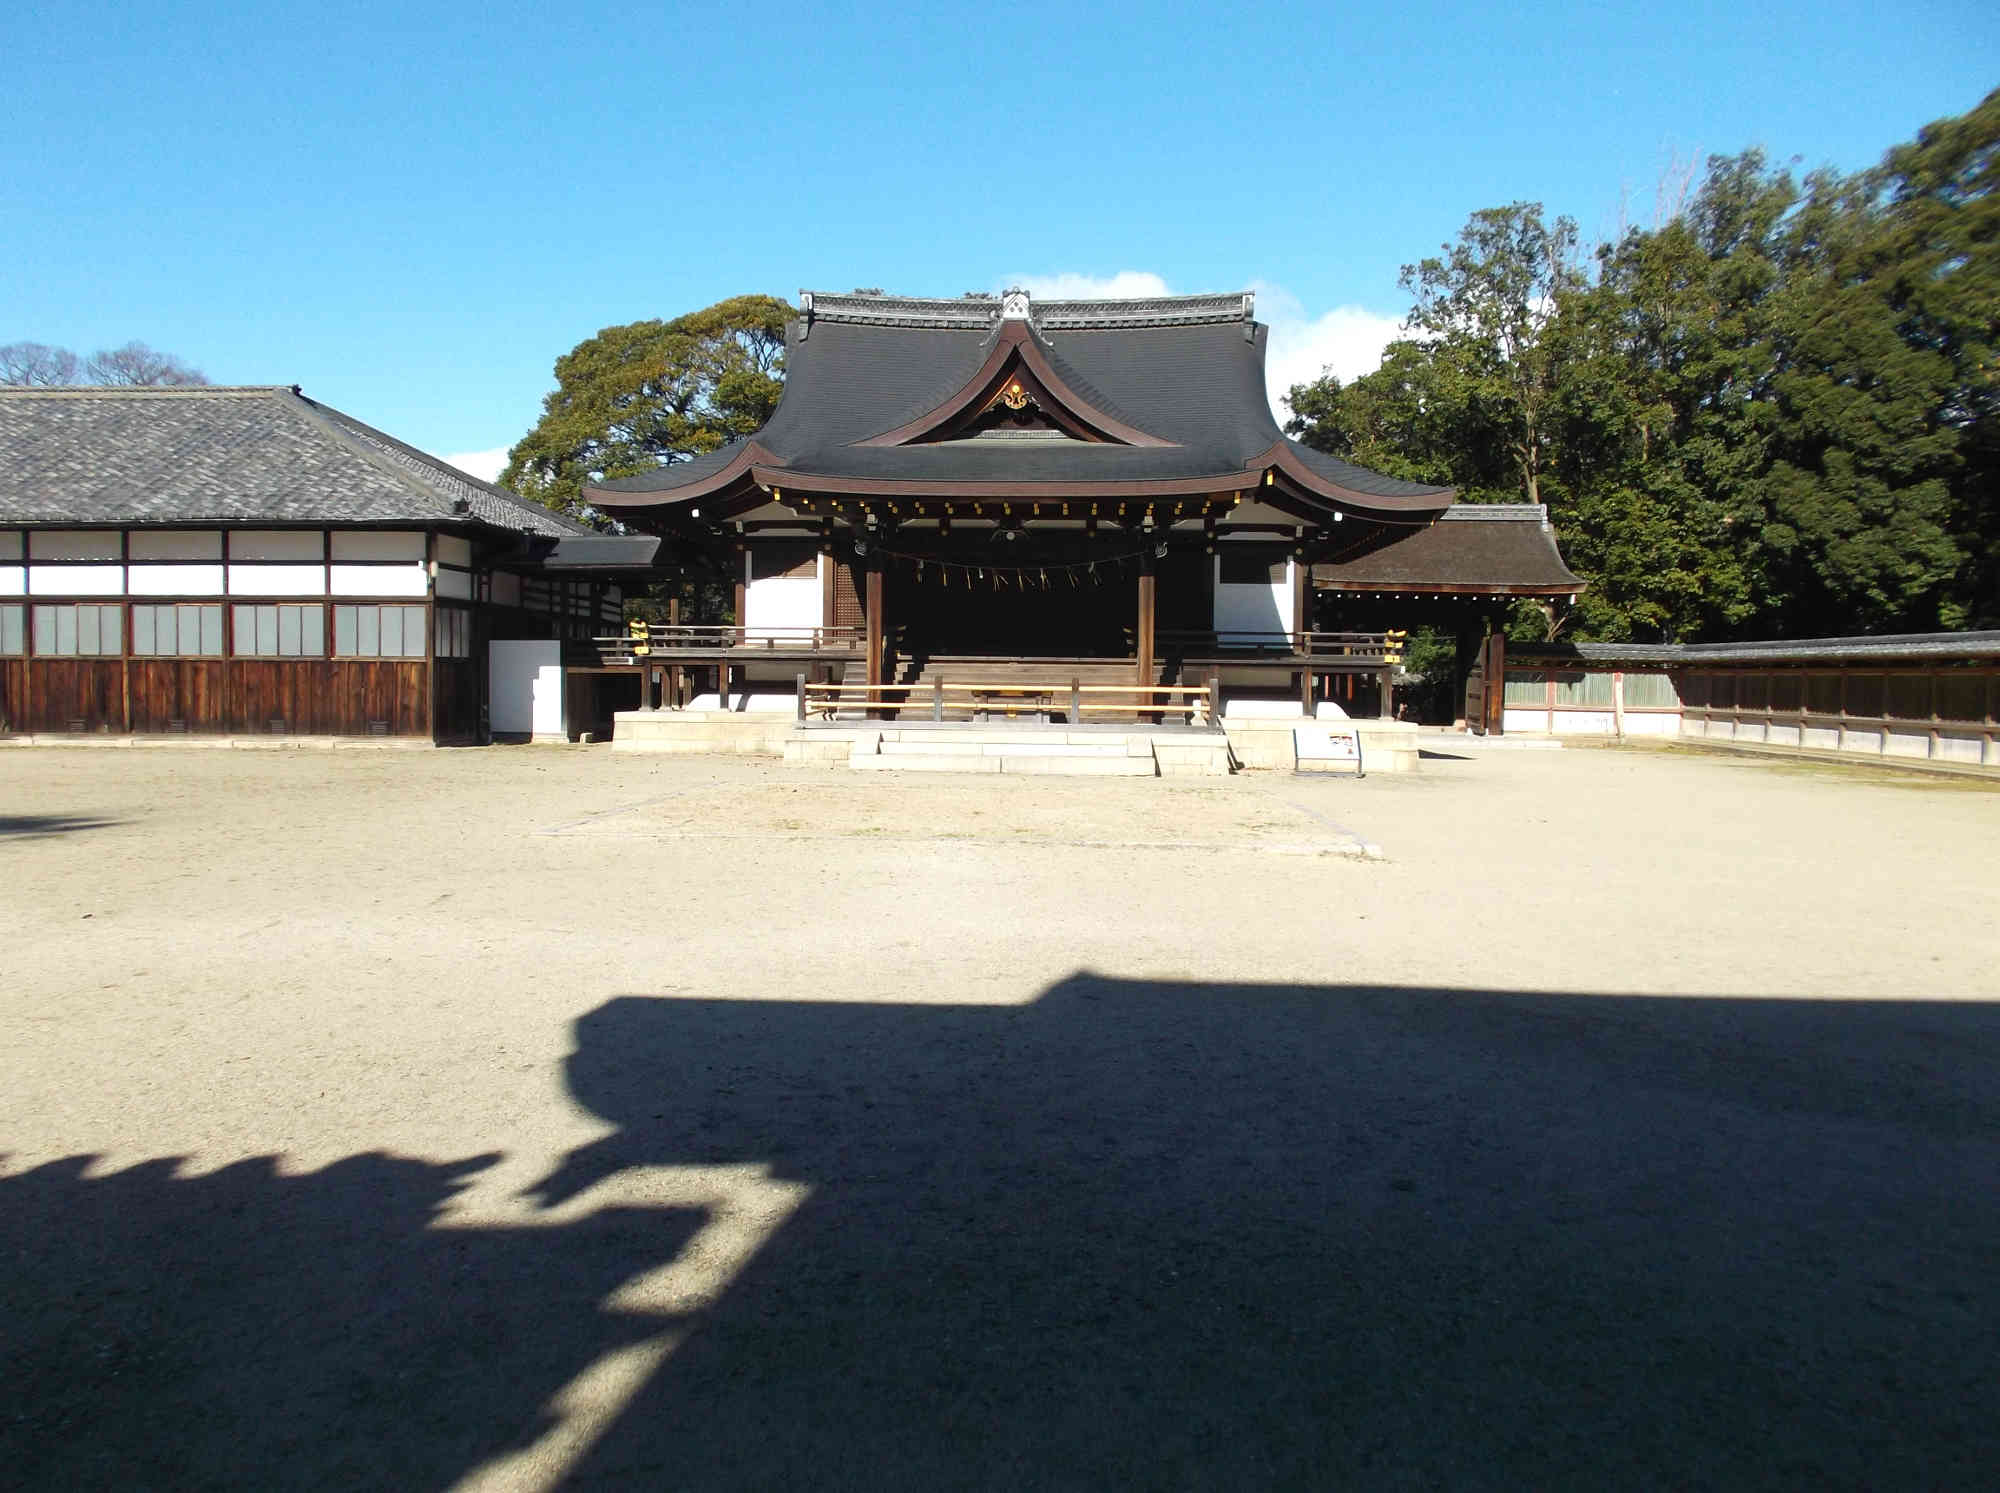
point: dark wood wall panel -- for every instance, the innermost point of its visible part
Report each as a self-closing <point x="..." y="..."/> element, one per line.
<point x="67" y="690"/>
<point x="193" y="692"/>
<point x="13" y="694"/>
<point x="457" y="686"/>
<point x="294" y="691"/>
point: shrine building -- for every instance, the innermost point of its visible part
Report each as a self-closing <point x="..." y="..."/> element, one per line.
<point x="1008" y="489"/>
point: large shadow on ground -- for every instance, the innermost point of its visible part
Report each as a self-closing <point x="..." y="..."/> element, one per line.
<point x="1129" y="1235"/>
<point x="1145" y="1234"/>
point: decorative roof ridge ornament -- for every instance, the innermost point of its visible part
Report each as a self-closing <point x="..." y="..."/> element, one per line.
<point x="983" y="313"/>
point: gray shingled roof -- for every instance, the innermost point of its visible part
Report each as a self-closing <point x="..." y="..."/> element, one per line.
<point x="1185" y="370"/>
<point x="229" y="455"/>
<point x="1506" y="547"/>
<point x="1881" y="648"/>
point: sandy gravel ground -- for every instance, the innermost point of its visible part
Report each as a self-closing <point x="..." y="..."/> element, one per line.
<point x="538" y="1118"/>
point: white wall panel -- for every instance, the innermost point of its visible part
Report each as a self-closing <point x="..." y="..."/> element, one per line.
<point x="75" y="544"/>
<point x="379" y="580"/>
<point x="780" y="605"/>
<point x="11" y="545"/>
<point x="363" y="545"/>
<point x="175" y="544"/>
<point x="452" y="550"/>
<point x="456" y="583"/>
<point x="1249" y="608"/>
<point x="13" y="580"/>
<point x="177" y="580"/>
<point x="276" y="544"/>
<point x="76" y="580"/>
<point x="525" y="688"/>
<point x="276" y="580"/>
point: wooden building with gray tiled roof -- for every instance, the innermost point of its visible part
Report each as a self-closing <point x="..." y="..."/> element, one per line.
<point x="248" y="561"/>
<point x="1035" y="491"/>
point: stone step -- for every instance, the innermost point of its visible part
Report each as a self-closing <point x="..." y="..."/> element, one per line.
<point x="1048" y="766"/>
<point x="963" y="748"/>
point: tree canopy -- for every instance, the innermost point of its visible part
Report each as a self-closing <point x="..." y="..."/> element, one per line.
<point x="640" y="396"/>
<point x="1772" y="413"/>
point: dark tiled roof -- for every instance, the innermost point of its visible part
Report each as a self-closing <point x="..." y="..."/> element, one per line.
<point x="1472" y="547"/>
<point x="1882" y="648"/>
<point x="229" y="455"/>
<point x="1185" y="371"/>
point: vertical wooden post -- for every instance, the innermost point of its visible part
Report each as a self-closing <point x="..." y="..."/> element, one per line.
<point x="1075" y="700"/>
<point x="722" y="684"/>
<point x="800" y="684"/>
<point x="828" y="573"/>
<point x="742" y="554"/>
<point x="674" y="670"/>
<point x="1496" y="683"/>
<point x="1215" y="698"/>
<point x="876" y="632"/>
<point x="1306" y="690"/>
<point x="125" y="626"/>
<point x="1148" y="605"/>
<point x="1387" y="691"/>
<point x="937" y="699"/>
<point x="1301" y="605"/>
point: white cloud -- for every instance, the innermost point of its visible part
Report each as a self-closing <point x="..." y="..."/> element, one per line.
<point x="1346" y="341"/>
<point x="1125" y="285"/>
<point x="485" y="465"/>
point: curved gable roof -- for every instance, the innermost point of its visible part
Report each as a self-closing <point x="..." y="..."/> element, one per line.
<point x="868" y="379"/>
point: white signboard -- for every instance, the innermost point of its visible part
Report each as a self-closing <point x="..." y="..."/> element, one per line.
<point x="1327" y="748"/>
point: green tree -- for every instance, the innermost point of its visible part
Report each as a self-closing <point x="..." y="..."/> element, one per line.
<point x="1490" y="305"/>
<point x="640" y="396"/>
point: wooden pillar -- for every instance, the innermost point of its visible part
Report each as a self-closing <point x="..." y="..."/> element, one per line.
<point x="877" y="633"/>
<point x="1496" y="682"/>
<point x="828" y="575"/>
<point x="1306" y="691"/>
<point x="1148" y="607"/>
<point x="1386" y="690"/>
<point x="1301" y="604"/>
<point x="674" y="670"/>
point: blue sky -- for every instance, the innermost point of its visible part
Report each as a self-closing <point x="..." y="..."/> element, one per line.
<point x="412" y="210"/>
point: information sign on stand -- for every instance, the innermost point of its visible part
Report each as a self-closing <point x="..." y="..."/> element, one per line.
<point x="1328" y="748"/>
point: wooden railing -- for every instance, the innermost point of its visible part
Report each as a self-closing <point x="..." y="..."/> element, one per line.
<point x="662" y="640"/>
<point x="1383" y="649"/>
<point x="942" y="700"/>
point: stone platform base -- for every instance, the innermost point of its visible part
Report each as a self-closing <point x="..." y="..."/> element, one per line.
<point x="1386" y="746"/>
<point x="954" y="747"/>
<point x="715" y="732"/>
<point x="1050" y="752"/>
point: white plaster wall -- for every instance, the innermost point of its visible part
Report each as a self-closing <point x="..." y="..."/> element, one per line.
<point x="781" y="602"/>
<point x="13" y="580"/>
<point x="525" y="687"/>
<point x="379" y="580"/>
<point x="75" y="544"/>
<point x="1241" y="608"/>
<point x="452" y="550"/>
<point x="76" y="580"/>
<point x="11" y="546"/>
<point x="177" y="580"/>
<point x="1781" y="735"/>
<point x="1652" y="725"/>
<point x="276" y="544"/>
<point x="1958" y="748"/>
<point x="277" y="580"/>
<point x="364" y="545"/>
<point x="1822" y="738"/>
<point x="175" y="544"/>
<point x="456" y="583"/>
<point x="1906" y="744"/>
